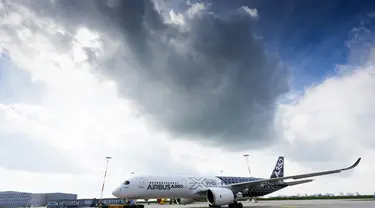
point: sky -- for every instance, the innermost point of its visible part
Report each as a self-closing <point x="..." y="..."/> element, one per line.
<point x="185" y="87"/>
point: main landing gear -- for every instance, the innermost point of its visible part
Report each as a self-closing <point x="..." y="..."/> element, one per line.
<point x="235" y="205"/>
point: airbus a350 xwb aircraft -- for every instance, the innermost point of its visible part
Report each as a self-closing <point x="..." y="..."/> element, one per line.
<point x="216" y="190"/>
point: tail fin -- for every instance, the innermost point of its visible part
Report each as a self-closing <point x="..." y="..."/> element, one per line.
<point x="278" y="171"/>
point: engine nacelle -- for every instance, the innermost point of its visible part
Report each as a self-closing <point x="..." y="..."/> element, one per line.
<point x="186" y="201"/>
<point x="220" y="196"/>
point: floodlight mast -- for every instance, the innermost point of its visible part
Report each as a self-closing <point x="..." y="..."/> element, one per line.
<point x="105" y="175"/>
<point x="247" y="162"/>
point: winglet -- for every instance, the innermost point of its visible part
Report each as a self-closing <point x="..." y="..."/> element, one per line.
<point x="354" y="165"/>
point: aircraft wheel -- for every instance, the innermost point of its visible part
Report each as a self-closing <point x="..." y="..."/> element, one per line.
<point x="239" y="205"/>
<point x="232" y="205"/>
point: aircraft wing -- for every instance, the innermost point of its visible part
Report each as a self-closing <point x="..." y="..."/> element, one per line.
<point x="293" y="183"/>
<point x="251" y="184"/>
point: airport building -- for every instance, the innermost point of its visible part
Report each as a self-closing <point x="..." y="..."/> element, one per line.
<point x="24" y="199"/>
<point x="85" y="203"/>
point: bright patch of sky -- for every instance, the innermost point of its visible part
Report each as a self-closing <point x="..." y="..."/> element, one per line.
<point x="310" y="35"/>
<point x="16" y="85"/>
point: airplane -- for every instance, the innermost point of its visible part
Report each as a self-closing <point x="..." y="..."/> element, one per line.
<point x="216" y="190"/>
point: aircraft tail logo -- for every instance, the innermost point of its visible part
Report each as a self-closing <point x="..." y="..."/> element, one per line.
<point x="278" y="171"/>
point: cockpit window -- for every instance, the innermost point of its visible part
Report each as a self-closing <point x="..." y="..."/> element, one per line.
<point x="126" y="183"/>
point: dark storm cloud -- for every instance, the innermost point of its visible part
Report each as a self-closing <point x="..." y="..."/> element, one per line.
<point x="213" y="81"/>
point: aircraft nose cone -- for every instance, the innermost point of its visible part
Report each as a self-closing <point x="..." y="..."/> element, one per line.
<point x="116" y="192"/>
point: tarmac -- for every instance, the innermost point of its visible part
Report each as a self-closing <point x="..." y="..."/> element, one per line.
<point x="287" y="204"/>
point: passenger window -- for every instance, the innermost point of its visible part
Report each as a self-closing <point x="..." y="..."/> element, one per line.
<point x="126" y="183"/>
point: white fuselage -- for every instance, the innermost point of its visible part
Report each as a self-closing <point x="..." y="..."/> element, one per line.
<point x="151" y="187"/>
<point x="218" y="190"/>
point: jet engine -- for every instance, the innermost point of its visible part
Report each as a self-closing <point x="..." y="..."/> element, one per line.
<point x="186" y="201"/>
<point x="220" y="196"/>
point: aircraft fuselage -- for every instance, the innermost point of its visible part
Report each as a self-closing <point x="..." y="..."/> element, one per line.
<point x="217" y="190"/>
<point x="141" y="187"/>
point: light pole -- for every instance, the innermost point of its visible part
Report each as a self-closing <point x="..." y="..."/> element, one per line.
<point x="247" y="161"/>
<point x="221" y="172"/>
<point x="105" y="175"/>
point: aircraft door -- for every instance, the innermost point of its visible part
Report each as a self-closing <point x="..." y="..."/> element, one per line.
<point x="141" y="182"/>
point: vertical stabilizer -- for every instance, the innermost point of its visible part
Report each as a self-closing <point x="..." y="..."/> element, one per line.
<point x="278" y="171"/>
